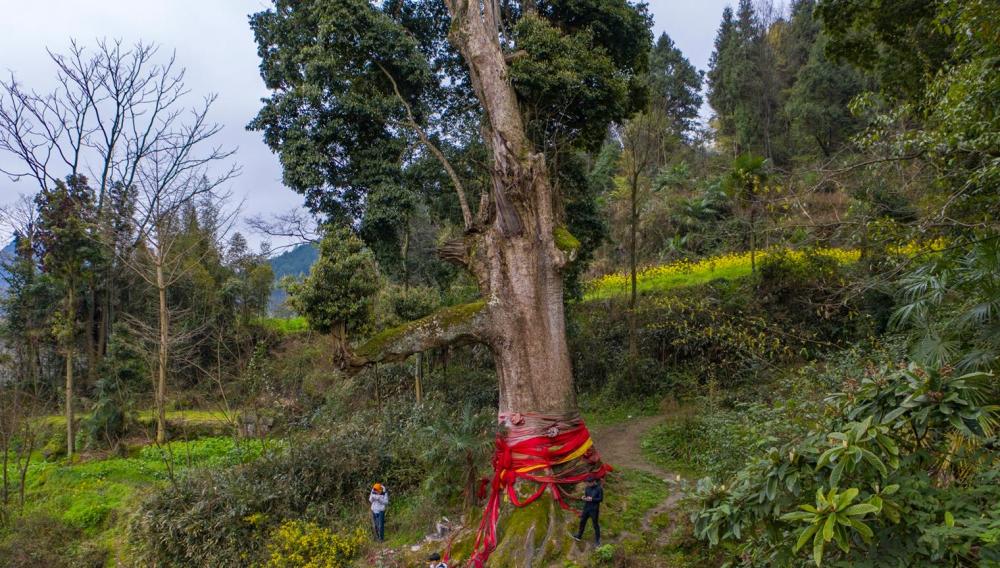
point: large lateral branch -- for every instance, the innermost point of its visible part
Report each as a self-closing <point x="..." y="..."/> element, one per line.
<point x="455" y="325"/>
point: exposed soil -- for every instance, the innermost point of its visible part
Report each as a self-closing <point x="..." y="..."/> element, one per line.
<point x="620" y="445"/>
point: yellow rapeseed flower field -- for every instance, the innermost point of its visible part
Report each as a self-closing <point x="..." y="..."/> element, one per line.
<point x="732" y="265"/>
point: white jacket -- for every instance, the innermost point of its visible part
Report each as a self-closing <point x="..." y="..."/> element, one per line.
<point x="379" y="501"/>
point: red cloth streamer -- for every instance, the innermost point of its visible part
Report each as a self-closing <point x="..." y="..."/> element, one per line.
<point x="520" y="456"/>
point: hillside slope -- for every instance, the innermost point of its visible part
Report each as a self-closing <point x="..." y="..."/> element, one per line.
<point x="294" y="262"/>
<point x="6" y="255"/>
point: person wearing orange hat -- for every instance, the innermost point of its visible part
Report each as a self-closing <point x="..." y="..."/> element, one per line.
<point x="379" y="499"/>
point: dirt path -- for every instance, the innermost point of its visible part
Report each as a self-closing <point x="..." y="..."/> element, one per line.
<point x="621" y="445"/>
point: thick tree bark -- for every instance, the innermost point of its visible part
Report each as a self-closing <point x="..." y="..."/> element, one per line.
<point x="514" y="256"/>
<point x="527" y="327"/>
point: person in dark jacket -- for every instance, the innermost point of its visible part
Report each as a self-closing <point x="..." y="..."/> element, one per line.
<point x="593" y="494"/>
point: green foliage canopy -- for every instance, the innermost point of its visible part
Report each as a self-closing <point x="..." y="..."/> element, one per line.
<point x="674" y="84"/>
<point x="355" y="82"/>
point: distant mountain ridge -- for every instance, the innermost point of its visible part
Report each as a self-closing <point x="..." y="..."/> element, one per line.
<point x="6" y="255"/>
<point x="294" y="262"/>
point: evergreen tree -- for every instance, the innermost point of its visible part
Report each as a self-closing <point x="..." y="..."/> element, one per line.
<point x="674" y="85"/>
<point x="818" y="103"/>
<point x="736" y="81"/>
<point x="66" y="223"/>
<point x="721" y="90"/>
<point x="903" y="43"/>
<point x="798" y="37"/>
<point x="337" y="295"/>
<point x="751" y="109"/>
<point x="24" y="305"/>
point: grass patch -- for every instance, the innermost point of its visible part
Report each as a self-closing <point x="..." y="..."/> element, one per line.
<point x="707" y="441"/>
<point x="694" y="445"/>
<point x="597" y="411"/>
<point x="628" y="496"/>
<point x="193" y="416"/>
<point x="285" y="325"/>
<point x="90" y="496"/>
<point x="147" y="417"/>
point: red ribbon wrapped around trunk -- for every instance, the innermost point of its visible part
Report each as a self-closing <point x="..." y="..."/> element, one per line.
<point x="532" y="446"/>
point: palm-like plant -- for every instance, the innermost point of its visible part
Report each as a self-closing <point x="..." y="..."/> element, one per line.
<point x="745" y="184"/>
<point x="953" y="305"/>
<point x="455" y="445"/>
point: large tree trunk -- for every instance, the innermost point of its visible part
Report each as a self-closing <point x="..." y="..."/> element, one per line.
<point x="511" y="250"/>
<point x="514" y="258"/>
<point x="529" y="336"/>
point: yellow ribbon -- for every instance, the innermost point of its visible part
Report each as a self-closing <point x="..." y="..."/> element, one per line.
<point x="572" y="456"/>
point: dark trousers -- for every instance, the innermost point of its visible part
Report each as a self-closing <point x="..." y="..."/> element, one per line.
<point x="378" y="519"/>
<point x="593" y="515"/>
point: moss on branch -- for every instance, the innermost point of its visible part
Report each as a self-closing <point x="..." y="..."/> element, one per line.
<point x="445" y="326"/>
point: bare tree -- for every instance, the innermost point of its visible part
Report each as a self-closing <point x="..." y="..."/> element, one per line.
<point x="296" y="225"/>
<point x="118" y="117"/>
<point x="115" y="106"/>
<point x="162" y="257"/>
<point x="645" y="141"/>
<point x="17" y="438"/>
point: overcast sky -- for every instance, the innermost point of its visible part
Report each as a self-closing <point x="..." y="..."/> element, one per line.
<point x="213" y="41"/>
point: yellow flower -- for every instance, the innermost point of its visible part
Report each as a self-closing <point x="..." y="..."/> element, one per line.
<point x="300" y="544"/>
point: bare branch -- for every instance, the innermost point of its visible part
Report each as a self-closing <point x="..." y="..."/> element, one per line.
<point x="411" y="122"/>
<point x="294" y="224"/>
<point x="875" y="161"/>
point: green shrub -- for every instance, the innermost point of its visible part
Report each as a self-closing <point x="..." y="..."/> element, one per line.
<point x="284" y="325"/>
<point x="107" y="422"/>
<point x="55" y="443"/>
<point x="605" y="553"/>
<point x="915" y="443"/>
<point x="413" y="303"/>
<point x="707" y="443"/>
<point x="203" y="520"/>
<point x="39" y="540"/>
<point x="712" y="439"/>
<point x="686" y="339"/>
